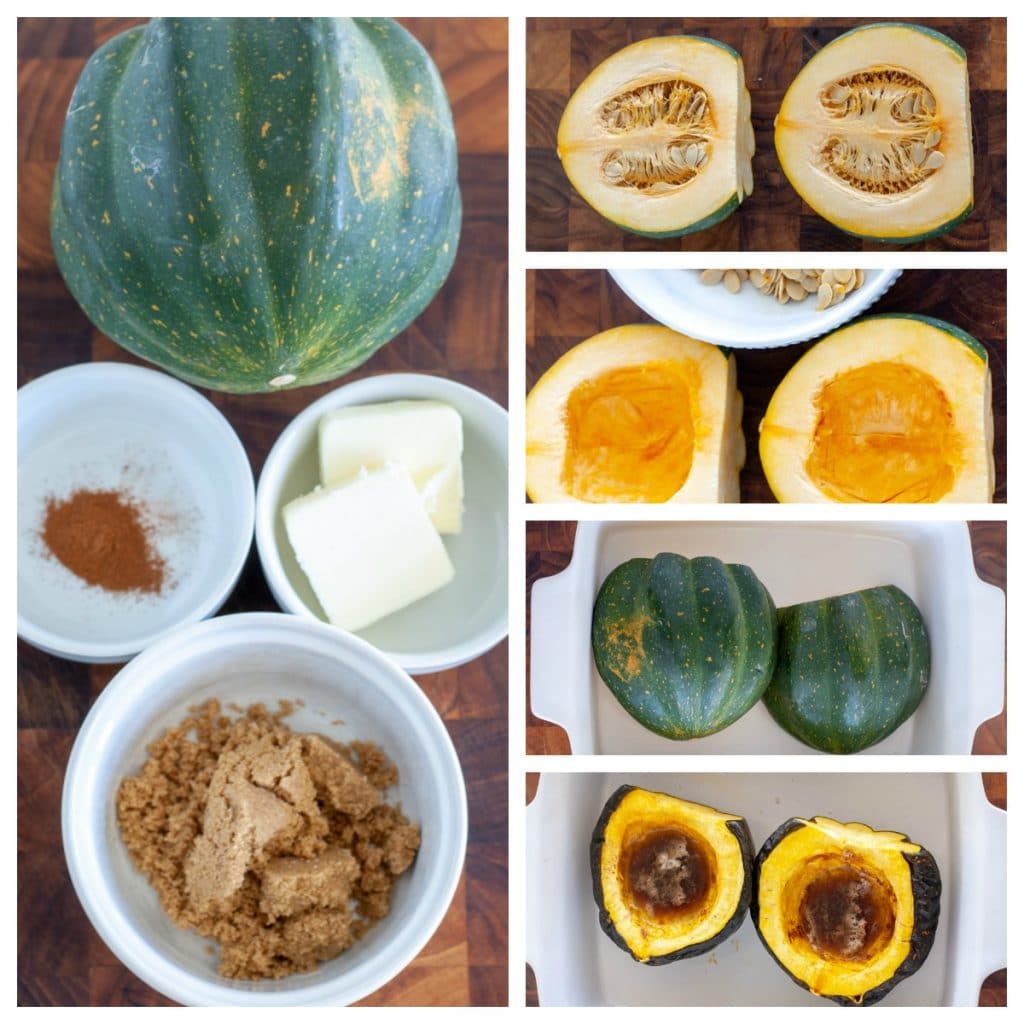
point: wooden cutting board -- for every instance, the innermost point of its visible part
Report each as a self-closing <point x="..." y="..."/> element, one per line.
<point x="462" y="335"/>
<point x="564" y="307"/>
<point x="561" y="52"/>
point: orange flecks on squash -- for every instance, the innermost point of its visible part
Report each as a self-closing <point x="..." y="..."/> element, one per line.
<point x="630" y="433"/>
<point x="885" y="432"/>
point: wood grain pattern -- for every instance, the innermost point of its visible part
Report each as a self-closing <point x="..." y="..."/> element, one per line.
<point x="462" y="335"/>
<point x="993" y="989"/>
<point x="548" y="551"/>
<point x="568" y="306"/>
<point x="560" y="53"/>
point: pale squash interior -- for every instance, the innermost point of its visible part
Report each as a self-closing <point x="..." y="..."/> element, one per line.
<point x="630" y="433"/>
<point x="885" y="432"/>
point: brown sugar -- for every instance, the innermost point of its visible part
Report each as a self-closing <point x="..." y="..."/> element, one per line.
<point x="277" y="844"/>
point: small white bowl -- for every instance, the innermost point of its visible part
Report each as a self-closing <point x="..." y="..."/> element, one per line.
<point x="112" y="426"/>
<point x="466" y="617"/>
<point x="748" y="319"/>
<point x="242" y="659"/>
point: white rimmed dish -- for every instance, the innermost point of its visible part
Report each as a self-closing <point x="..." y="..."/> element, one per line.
<point x="949" y="814"/>
<point x="101" y="426"/>
<point x="931" y="561"/>
<point x="466" y="617"/>
<point x="349" y="691"/>
<point x="748" y="319"/>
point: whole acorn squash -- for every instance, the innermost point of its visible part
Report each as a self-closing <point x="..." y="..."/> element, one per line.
<point x="847" y="912"/>
<point x="256" y="203"/>
<point x="850" y="670"/>
<point x="672" y="879"/>
<point x="686" y="645"/>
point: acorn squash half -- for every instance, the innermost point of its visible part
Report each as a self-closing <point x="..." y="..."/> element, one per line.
<point x="636" y="414"/>
<point x="658" y="137"/>
<point x="672" y="879"/>
<point x="875" y="133"/>
<point x="892" y="408"/>
<point x="846" y="912"/>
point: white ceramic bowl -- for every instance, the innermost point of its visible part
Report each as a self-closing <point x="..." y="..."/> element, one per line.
<point x="115" y="426"/>
<point x="460" y="621"/>
<point x="679" y="300"/>
<point x="243" y="659"/>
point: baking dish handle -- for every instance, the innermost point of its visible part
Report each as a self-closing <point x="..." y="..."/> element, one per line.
<point x="988" y="661"/>
<point x="553" y="693"/>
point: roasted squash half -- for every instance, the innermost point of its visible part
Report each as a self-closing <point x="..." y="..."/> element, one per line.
<point x="875" y="133"/>
<point x="636" y="414"/>
<point x="847" y="912"/>
<point x="672" y="879"/>
<point x="893" y="408"/>
<point x="658" y="137"/>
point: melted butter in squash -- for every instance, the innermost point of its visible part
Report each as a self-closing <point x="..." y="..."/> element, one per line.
<point x="630" y="433"/>
<point x="885" y="432"/>
<point x="669" y="873"/>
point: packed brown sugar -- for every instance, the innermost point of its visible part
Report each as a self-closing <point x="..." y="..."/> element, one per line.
<point x="279" y="845"/>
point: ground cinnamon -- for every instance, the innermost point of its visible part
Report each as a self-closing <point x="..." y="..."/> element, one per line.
<point x="102" y="537"/>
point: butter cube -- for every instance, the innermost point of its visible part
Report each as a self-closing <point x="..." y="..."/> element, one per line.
<point x="367" y="546"/>
<point x="424" y="436"/>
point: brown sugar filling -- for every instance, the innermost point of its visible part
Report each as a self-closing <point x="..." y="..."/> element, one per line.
<point x="670" y="872"/>
<point x="885" y="432"/>
<point x="279" y="845"/>
<point x="630" y="433"/>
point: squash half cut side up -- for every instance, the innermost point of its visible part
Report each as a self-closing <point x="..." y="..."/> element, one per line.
<point x="658" y="137"/>
<point x="672" y="879"/>
<point x="636" y="414"/>
<point x="875" y="133"/>
<point x="893" y="408"/>
<point x="846" y="912"/>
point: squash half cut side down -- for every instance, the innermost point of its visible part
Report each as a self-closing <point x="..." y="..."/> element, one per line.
<point x="658" y="137"/>
<point x="846" y="912"/>
<point x="636" y="414"/>
<point x="672" y="879"/>
<point x="893" y="408"/>
<point x="875" y="133"/>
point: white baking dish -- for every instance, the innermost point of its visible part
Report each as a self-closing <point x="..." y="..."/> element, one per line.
<point x="577" y="965"/>
<point x="932" y="561"/>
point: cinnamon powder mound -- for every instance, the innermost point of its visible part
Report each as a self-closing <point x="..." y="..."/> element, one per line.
<point x="277" y="844"/>
<point x="101" y="537"/>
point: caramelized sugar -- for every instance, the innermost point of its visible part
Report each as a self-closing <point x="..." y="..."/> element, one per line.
<point x="670" y="873"/>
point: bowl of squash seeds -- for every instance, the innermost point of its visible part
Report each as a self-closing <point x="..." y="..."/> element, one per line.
<point x="754" y="308"/>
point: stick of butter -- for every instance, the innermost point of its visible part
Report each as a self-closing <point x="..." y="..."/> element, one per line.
<point x="424" y="436"/>
<point x="367" y="546"/>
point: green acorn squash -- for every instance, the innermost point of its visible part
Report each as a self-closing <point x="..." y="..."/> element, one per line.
<point x="672" y="879"/>
<point x="686" y="645"/>
<point x="845" y="911"/>
<point x="850" y="670"/>
<point x="255" y="203"/>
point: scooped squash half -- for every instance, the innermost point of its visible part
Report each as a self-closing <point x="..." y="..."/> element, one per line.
<point x="893" y="408"/>
<point x="658" y="137"/>
<point x="672" y="879"/>
<point x="636" y="414"/>
<point x="875" y="133"/>
<point x="847" y="912"/>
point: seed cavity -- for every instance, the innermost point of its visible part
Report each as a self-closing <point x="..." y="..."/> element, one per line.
<point x="670" y="127"/>
<point x="885" y="141"/>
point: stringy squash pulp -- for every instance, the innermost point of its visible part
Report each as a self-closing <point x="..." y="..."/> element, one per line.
<point x="889" y="409"/>
<point x="636" y="414"/>
<point x="875" y="133"/>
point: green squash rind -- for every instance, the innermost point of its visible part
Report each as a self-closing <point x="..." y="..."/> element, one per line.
<point x="924" y="236"/>
<point x="926" y="884"/>
<point x="923" y="29"/>
<point x="716" y="217"/>
<point x="850" y="669"/>
<point x="687" y="646"/>
<point x="943" y="325"/>
<point x="740" y="830"/>
<point x="254" y="204"/>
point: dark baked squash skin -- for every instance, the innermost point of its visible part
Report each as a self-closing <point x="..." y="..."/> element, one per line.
<point x="926" y="886"/>
<point x="739" y="829"/>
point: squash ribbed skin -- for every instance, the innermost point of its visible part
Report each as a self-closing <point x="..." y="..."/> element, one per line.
<point x="686" y="645"/>
<point x="253" y="203"/>
<point x="850" y="669"/>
